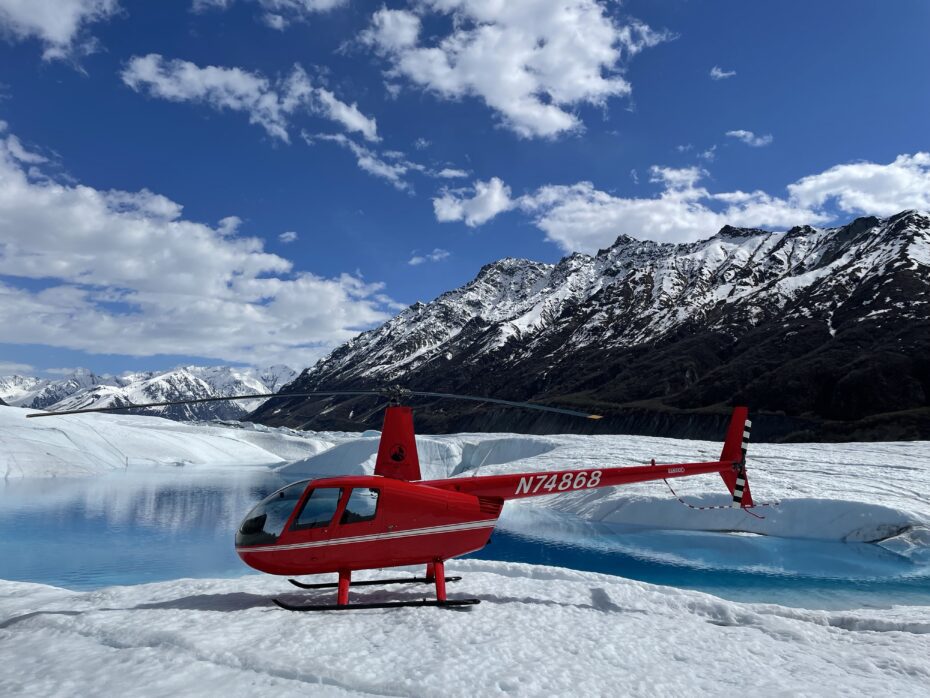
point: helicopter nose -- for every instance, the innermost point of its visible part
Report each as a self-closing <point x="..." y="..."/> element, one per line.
<point x="255" y="560"/>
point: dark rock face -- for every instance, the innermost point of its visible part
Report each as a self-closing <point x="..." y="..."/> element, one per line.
<point x="825" y="333"/>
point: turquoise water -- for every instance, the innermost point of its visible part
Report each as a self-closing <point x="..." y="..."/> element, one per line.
<point x="131" y="528"/>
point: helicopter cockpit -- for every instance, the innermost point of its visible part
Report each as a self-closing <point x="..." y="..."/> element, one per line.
<point x="266" y="521"/>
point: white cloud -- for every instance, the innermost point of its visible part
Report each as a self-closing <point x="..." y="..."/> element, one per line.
<point x="749" y="138"/>
<point x="532" y="62"/>
<point x="451" y="173"/>
<point x="59" y="24"/>
<point x="392" y="30"/>
<point x="276" y="11"/>
<point x="390" y="165"/>
<point x="579" y="217"/>
<point x="347" y="114"/>
<point x="288" y="237"/>
<point x="274" y="21"/>
<point x="228" y="225"/>
<point x="421" y="143"/>
<point x="868" y="187"/>
<point x="368" y="160"/>
<point x="19" y="152"/>
<point x="479" y="205"/>
<point x="270" y="105"/>
<point x="10" y="367"/>
<point x="436" y="255"/>
<point x="582" y="218"/>
<point x="204" y="5"/>
<point x="124" y="272"/>
<point x="717" y="73"/>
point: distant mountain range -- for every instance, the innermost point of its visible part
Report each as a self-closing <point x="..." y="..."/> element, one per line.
<point x="824" y="332"/>
<point x="86" y="389"/>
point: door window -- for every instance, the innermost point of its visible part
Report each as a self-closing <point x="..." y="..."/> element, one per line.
<point x="362" y="506"/>
<point x="319" y="508"/>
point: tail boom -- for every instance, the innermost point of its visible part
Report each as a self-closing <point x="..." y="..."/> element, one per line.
<point x="731" y="466"/>
<point x="523" y="485"/>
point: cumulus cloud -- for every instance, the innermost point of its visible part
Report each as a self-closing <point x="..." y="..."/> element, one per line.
<point x="274" y="21"/>
<point x="717" y="73"/>
<point x="125" y="272"/>
<point x="868" y="187"/>
<point x="437" y="255"/>
<point x="451" y="173"/>
<point x="749" y="138"/>
<point x="59" y="24"/>
<point x="533" y="62"/>
<point x="475" y="206"/>
<point x="287" y="237"/>
<point x="227" y="226"/>
<point x="268" y="104"/>
<point x="580" y="217"/>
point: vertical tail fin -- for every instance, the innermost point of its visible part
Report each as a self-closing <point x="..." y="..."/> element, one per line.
<point x="397" y="451"/>
<point x="734" y="451"/>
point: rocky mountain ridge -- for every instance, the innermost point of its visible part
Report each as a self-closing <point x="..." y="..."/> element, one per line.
<point x="824" y="331"/>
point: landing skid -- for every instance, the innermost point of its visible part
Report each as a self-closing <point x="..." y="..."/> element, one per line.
<point x="449" y="603"/>
<point x="435" y="574"/>
<point x="372" y="582"/>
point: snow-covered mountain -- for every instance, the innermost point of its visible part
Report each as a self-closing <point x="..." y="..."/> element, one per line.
<point x="86" y="389"/>
<point x="815" y="325"/>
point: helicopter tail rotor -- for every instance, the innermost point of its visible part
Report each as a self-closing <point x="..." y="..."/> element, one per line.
<point x="734" y="451"/>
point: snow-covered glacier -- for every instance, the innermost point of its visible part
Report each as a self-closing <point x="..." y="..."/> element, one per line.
<point x="539" y="629"/>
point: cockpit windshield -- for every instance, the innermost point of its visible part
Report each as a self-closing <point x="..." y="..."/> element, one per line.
<point x="266" y="521"/>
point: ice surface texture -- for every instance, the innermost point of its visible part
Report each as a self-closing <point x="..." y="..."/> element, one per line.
<point x="538" y="631"/>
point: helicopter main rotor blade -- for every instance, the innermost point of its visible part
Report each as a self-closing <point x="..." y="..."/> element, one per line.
<point x="195" y="401"/>
<point x="509" y="403"/>
<point x="391" y="393"/>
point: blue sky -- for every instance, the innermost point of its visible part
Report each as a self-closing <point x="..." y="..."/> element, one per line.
<point x="154" y="154"/>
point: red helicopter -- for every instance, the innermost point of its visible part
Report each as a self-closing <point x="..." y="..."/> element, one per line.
<point x="393" y="518"/>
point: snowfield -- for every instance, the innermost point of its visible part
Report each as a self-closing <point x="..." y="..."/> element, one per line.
<point x="90" y="444"/>
<point x="538" y="631"/>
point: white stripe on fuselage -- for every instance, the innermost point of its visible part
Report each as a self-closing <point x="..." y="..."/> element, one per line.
<point x="429" y="531"/>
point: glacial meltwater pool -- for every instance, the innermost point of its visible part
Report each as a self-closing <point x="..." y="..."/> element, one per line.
<point x="167" y="523"/>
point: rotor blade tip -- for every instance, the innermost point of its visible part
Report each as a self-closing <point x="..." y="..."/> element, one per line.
<point x="595" y="416"/>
